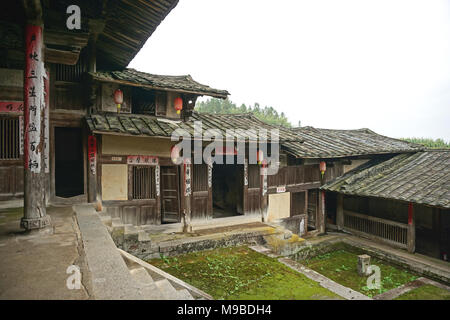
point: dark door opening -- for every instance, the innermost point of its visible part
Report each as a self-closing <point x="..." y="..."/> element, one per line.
<point x="170" y="196"/>
<point x="227" y="190"/>
<point x="69" y="164"/>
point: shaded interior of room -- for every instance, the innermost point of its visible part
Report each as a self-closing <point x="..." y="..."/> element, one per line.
<point x="69" y="168"/>
<point x="227" y="189"/>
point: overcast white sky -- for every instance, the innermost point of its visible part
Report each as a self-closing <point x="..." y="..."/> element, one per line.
<point x="383" y="65"/>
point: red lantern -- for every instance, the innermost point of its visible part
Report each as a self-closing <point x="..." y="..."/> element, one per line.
<point x="178" y="104"/>
<point x="323" y="167"/>
<point x="118" y="99"/>
<point x="175" y="154"/>
<point x="260" y="156"/>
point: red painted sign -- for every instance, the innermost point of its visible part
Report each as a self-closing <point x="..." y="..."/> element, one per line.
<point x="92" y="153"/>
<point x="11" y="106"/>
<point x="142" y="160"/>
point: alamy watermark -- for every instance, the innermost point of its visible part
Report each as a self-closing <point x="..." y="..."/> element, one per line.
<point x="73" y="282"/>
<point x="374" y="280"/>
<point x="228" y="148"/>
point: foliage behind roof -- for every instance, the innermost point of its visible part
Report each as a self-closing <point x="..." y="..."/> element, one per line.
<point x="422" y="177"/>
<point x="136" y="78"/>
<point x="330" y="143"/>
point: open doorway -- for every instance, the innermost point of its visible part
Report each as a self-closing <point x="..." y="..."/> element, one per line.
<point x="69" y="164"/>
<point x="227" y="190"/>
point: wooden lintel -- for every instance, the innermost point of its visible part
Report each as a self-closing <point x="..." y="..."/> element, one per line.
<point x="65" y="38"/>
<point x="61" y="56"/>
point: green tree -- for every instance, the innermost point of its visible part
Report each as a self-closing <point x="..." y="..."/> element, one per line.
<point x="220" y="106"/>
<point x="430" y="143"/>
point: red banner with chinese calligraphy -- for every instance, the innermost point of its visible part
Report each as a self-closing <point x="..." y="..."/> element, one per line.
<point x="92" y="153"/>
<point x="11" y="106"/>
<point x="33" y="97"/>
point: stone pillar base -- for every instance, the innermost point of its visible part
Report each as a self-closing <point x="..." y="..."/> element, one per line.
<point x="35" y="223"/>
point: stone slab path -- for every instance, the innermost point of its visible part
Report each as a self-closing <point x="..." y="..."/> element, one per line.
<point x="396" y="292"/>
<point x="325" y="282"/>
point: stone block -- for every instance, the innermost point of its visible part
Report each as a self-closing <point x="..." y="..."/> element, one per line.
<point x="363" y="264"/>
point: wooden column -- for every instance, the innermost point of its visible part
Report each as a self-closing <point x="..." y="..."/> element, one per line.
<point x="411" y="229"/>
<point x="340" y="211"/>
<point x="320" y="218"/>
<point x="187" y="191"/>
<point x="245" y="188"/>
<point x="35" y="216"/>
<point x="92" y="168"/>
<point x="264" y="195"/>
<point x="46" y="154"/>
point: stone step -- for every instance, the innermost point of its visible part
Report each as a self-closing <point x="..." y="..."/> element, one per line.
<point x="166" y="289"/>
<point x="141" y="275"/>
<point x="184" y="294"/>
<point x="106" y="219"/>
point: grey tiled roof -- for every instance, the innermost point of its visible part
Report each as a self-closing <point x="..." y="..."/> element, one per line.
<point x="329" y="143"/>
<point x="133" y="77"/>
<point x="422" y="177"/>
<point x="145" y="125"/>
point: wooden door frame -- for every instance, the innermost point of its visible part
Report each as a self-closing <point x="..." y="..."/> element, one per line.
<point x="180" y="190"/>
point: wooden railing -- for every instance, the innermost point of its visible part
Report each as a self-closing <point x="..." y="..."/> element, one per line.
<point x="391" y="232"/>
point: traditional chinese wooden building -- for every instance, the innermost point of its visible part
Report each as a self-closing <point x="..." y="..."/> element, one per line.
<point x="404" y="201"/>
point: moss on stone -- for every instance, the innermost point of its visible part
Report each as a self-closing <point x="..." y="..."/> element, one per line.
<point x="340" y="265"/>
<point x="425" y="292"/>
<point x="241" y="273"/>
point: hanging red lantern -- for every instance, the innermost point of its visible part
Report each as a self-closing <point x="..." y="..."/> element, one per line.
<point x="178" y="104"/>
<point x="260" y="156"/>
<point x="118" y="99"/>
<point x="175" y="154"/>
<point x="323" y="167"/>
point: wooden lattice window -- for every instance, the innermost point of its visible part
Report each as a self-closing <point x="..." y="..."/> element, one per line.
<point x="254" y="176"/>
<point x="200" y="177"/>
<point x="9" y="138"/>
<point x="143" y="183"/>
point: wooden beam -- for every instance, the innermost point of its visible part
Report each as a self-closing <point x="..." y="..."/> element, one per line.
<point x="61" y="56"/>
<point x="67" y="39"/>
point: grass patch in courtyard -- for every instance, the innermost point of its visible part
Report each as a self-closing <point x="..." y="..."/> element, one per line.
<point x="425" y="292"/>
<point x="241" y="273"/>
<point x="340" y="265"/>
<point x="11" y="214"/>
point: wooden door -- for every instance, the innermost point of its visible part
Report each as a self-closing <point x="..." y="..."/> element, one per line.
<point x="170" y="195"/>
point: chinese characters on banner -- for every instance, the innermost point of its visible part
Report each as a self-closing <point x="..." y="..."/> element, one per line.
<point x="187" y="177"/>
<point x="21" y="135"/>
<point x="157" y="180"/>
<point x="92" y="154"/>
<point x="246" y="172"/>
<point x="46" y="123"/>
<point x="264" y="174"/>
<point x="33" y="97"/>
<point x="142" y="160"/>
<point x="11" y="106"/>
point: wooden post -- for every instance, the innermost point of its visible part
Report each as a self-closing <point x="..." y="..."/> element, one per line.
<point x="92" y="169"/>
<point x="320" y="218"/>
<point x="46" y="154"/>
<point x="340" y="211"/>
<point x="187" y="227"/>
<point x="35" y="215"/>
<point x="411" y="229"/>
<point x="264" y="195"/>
